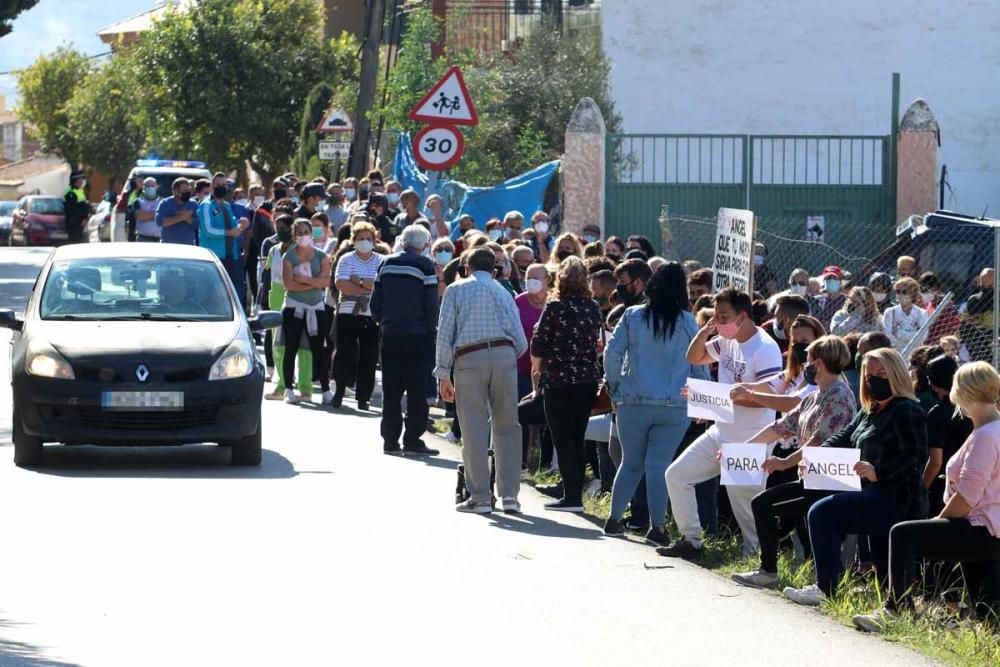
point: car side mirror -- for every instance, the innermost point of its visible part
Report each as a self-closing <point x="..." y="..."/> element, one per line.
<point x="266" y="319"/>
<point x="9" y="320"/>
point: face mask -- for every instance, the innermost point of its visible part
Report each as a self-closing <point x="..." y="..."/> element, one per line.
<point x="541" y="227"/>
<point x="258" y="201"/>
<point x="878" y="388"/>
<point x="321" y="206"/>
<point x="495" y="234"/>
<point x="393" y="197"/>
<point x="809" y="374"/>
<point x="284" y="235"/>
<point x="758" y="260"/>
<point x="534" y="285"/>
<point x="332" y="201"/>
<point x="799" y="352"/>
<point x="442" y="257"/>
<point x="350" y="193"/>
<point x="904" y="299"/>
<point x="779" y="331"/>
<point x="797" y="290"/>
<point x="364" y="193"/>
<point x="832" y="285"/>
<point x="880" y="296"/>
<point x="364" y="245"/>
<point x="317" y="233"/>
<point x="280" y="193"/>
<point x="728" y="331"/>
<point x="563" y="254"/>
<point x="242" y="202"/>
<point x="589" y="238"/>
<point x="294" y="200"/>
<point x="928" y="297"/>
<point x="220" y="191"/>
<point x="185" y="196"/>
<point x="150" y="193"/>
<point x="304" y="241"/>
<point x="624" y="295"/>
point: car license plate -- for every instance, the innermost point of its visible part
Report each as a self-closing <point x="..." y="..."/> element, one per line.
<point x="59" y="235"/>
<point x="142" y="400"/>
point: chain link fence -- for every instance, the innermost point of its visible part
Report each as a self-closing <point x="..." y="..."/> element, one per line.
<point x="955" y="249"/>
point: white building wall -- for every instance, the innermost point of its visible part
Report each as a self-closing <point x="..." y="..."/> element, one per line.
<point x="815" y="67"/>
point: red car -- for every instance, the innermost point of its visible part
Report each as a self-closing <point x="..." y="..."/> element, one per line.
<point x="38" y="220"/>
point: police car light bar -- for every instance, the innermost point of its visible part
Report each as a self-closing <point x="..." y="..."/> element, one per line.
<point x="170" y="163"/>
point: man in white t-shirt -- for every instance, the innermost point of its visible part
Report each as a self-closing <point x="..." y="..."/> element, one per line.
<point x="746" y="353"/>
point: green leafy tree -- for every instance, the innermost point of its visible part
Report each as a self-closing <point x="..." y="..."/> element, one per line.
<point x="46" y="88"/>
<point x="102" y="119"/>
<point x="319" y="100"/>
<point x="226" y="80"/>
<point x="9" y="9"/>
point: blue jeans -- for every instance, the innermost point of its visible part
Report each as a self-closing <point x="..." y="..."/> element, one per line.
<point x="649" y="435"/>
<point x="869" y="514"/>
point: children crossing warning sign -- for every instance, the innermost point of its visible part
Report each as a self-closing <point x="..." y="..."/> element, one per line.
<point x="447" y="103"/>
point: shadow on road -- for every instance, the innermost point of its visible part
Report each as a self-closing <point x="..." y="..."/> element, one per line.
<point x="22" y="654"/>
<point x="536" y="525"/>
<point x="187" y="462"/>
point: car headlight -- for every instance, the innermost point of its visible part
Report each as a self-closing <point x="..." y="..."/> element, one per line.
<point x="236" y="362"/>
<point x="50" y="365"/>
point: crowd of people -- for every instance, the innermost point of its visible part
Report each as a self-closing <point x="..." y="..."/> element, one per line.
<point x="581" y="347"/>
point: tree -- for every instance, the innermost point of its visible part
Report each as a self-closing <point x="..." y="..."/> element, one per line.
<point x="319" y="100"/>
<point x="102" y="119"/>
<point x="47" y="87"/>
<point x="414" y="72"/>
<point x="9" y="9"/>
<point x="226" y="81"/>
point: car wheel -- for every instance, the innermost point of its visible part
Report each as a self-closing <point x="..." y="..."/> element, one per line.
<point x="247" y="451"/>
<point x="27" y="449"/>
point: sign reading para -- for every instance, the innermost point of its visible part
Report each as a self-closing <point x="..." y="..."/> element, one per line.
<point x="743" y="464"/>
<point x="830" y="469"/>
<point x="709" y="400"/>
<point x="732" y="264"/>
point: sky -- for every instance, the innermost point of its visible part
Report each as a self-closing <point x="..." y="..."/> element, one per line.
<point x="51" y="23"/>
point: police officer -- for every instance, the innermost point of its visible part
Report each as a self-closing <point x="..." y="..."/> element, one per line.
<point x="77" y="207"/>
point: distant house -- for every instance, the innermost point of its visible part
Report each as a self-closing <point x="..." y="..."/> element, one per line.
<point x="15" y="143"/>
<point x="38" y="174"/>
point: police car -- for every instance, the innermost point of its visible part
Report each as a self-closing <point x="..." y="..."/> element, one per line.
<point x="165" y="172"/>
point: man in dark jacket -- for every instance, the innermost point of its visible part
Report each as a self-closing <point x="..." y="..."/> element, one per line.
<point x="405" y="304"/>
<point x="77" y="208"/>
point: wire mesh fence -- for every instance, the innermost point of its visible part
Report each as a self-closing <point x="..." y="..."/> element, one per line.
<point x="951" y="255"/>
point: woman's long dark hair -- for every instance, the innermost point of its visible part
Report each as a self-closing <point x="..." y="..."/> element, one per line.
<point x="667" y="298"/>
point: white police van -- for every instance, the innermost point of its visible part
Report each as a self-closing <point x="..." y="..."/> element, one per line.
<point x="165" y="172"/>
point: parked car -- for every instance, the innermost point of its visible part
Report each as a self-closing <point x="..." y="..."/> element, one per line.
<point x="99" y="225"/>
<point x="135" y="344"/>
<point x="38" y="220"/>
<point x="6" y="217"/>
<point x="165" y="172"/>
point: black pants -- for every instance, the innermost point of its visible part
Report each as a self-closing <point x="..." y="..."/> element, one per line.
<point x="406" y="361"/>
<point x="785" y="501"/>
<point x="292" y="327"/>
<point x="269" y="349"/>
<point x="567" y="409"/>
<point x="531" y="412"/>
<point x="327" y="347"/>
<point x="356" y="357"/>
<point x="947" y="540"/>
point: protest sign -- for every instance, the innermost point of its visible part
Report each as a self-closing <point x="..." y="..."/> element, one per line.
<point x="732" y="264"/>
<point x="831" y="469"/>
<point x="743" y="464"/>
<point x="709" y="400"/>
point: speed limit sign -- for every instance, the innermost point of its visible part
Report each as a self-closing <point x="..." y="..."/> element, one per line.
<point x="438" y="147"/>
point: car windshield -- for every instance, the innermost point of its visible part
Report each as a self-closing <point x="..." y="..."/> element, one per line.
<point x="154" y="288"/>
<point x="47" y="206"/>
<point x="7" y="207"/>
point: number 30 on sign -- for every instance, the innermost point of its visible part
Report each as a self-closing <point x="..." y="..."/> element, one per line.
<point x="438" y="147"/>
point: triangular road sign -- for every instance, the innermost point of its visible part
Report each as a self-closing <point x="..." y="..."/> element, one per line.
<point x="448" y="102"/>
<point x="335" y="120"/>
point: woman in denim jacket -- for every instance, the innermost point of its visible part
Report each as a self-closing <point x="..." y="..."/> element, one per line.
<point x="645" y="366"/>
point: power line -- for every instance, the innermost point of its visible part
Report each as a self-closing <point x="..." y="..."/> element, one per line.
<point x="93" y="57"/>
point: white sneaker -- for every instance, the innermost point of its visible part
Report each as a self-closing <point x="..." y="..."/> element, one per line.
<point x="511" y="506"/>
<point x="874" y="622"/>
<point x="810" y="596"/>
<point x="451" y="437"/>
<point x="756" y="579"/>
<point x="290" y="396"/>
<point x="471" y="507"/>
<point x="327" y="397"/>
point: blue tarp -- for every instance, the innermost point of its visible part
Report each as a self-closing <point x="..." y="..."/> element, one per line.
<point x="524" y="193"/>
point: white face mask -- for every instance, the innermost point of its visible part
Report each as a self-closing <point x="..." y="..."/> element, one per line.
<point x="880" y="296"/>
<point x="242" y="202"/>
<point x="496" y="234"/>
<point x="797" y="290"/>
<point x="304" y="241"/>
<point x="541" y="227"/>
<point x="928" y="297"/>
<point x="364" y="245"/>
<point x="534" y="285"/>
<point x="258" y="201"/>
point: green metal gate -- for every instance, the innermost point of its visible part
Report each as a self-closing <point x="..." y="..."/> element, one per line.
<point x="784" y="179"/>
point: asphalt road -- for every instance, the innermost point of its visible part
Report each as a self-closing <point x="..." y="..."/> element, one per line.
<point x="331" y="553"/>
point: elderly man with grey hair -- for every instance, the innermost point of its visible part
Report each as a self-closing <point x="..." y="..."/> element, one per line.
<point x="513" y="224"/>
<point x="405" y="304"/>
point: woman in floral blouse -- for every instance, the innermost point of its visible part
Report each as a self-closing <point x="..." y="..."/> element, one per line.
<point x="565" y="368"/>
<point x="820" y="415"/>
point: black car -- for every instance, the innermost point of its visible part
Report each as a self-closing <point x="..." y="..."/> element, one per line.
<point x="135" y="344"/>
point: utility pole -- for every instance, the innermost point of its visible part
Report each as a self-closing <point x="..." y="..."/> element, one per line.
<point x="374" y="17"/>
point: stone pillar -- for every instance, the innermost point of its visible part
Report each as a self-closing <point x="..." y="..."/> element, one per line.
<point x="916" y="164"/>
<point x="583" y="168"/>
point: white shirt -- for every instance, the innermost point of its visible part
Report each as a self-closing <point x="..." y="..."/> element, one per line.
<point x="755" y="360"/>
<point x="901" y="327"/>
<point x="352" y="265"/>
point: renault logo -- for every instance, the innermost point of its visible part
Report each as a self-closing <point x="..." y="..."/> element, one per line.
<point x="141" y="373"/>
